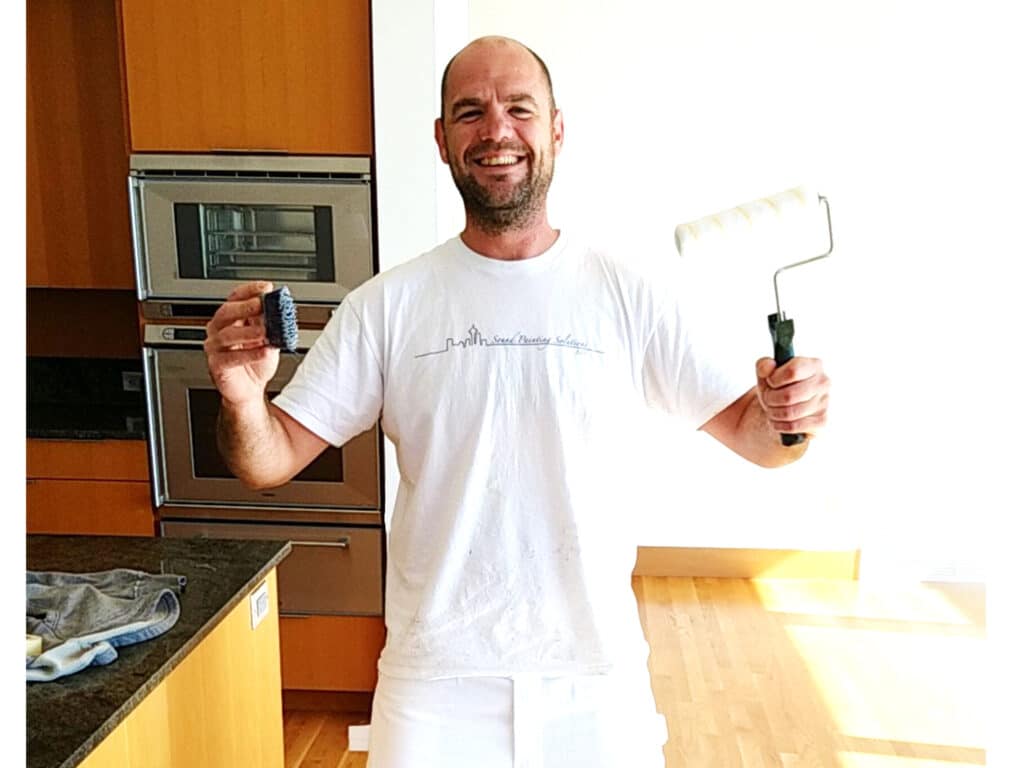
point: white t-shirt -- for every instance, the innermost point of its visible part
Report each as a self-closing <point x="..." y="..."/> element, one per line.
<point x="506" y="388"/>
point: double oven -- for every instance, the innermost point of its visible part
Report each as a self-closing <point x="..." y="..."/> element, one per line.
<point x="202" y="225"/>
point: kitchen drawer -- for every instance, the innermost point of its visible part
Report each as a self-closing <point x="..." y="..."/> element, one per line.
<point x="87" y="459"/>
<point x="99" y="508"/>
<point x="331" y="570"/>
<point x="330" y="653"/>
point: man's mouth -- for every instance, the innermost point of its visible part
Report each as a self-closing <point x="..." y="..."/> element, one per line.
<point x="490" y="161"/>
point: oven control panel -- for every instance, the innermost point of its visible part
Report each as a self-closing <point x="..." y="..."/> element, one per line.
<point x="195" y="335"/>
<point x="182" y="334"/>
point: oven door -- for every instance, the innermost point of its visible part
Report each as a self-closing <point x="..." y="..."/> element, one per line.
<point x="187" y="467"/>
<point x="199" y="236"/>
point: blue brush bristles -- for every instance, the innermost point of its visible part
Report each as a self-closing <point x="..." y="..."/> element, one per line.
<point x="280" y="320"/>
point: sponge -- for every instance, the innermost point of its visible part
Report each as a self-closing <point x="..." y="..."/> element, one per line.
<point x="33" y="645"/>
<point x="280" y="320"/>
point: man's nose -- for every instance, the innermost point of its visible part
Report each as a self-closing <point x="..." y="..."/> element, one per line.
<point x="495" y="125"/>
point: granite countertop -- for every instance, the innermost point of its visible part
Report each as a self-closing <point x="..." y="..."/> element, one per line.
<point x="68" y="717"/>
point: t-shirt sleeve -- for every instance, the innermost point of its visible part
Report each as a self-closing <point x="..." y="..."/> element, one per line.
<point x="337" y="390"/>
<point x="691" y="367"/>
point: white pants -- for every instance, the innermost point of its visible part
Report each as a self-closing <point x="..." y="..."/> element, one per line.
<point x="583" y="721"/>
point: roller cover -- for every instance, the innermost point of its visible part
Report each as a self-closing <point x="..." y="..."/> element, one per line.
<point x="787" y="225"/>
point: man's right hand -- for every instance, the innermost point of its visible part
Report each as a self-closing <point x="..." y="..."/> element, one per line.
<point x="240" y="360"/>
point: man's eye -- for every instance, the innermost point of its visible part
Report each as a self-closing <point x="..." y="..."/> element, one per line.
<point x="468" y="115"/>
<point x="521" y="111"/>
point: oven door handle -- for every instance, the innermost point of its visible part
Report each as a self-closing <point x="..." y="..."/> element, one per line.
<point x="342" y="543"/>
<point x="154" y="417"/>
<point x="137" y="218"/>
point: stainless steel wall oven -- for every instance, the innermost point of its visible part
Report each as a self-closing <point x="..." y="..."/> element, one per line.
<point x="330" y="511"/>
<point x="201" y="224"/>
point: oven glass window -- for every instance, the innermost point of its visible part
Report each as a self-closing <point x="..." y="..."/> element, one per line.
<point x="203" y="405"/>
<point x="232" y="241"/>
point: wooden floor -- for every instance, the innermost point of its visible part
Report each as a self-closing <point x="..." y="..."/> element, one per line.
<point x="788" y="674"/>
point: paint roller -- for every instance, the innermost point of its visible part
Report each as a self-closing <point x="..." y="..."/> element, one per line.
<point x="780" y="224"/>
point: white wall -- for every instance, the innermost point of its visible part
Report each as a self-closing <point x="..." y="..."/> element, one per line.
<point x="904" y="115"/>
<point x="407" y="70"/>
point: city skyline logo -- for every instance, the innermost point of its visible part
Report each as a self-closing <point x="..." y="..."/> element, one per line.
<point x="474" y="338"/>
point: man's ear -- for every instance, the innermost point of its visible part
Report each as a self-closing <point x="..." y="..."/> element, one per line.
<point x="557" y="130"/>
<point x="439" y="138"/>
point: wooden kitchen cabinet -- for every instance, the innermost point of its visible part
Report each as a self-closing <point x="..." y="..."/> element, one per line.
<point x="248" y="75"/>
<point x="330" y="653"/>
<point x="98" y="487"/>
<point x="221" y="706"/>
<point x="76" y="161"/>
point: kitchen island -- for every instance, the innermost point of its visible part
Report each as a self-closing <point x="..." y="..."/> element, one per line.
<point x="206" y="692"/>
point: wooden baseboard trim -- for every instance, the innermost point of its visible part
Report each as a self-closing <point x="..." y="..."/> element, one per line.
<point x="728" y="563"/>
<point x="332" y="701"/>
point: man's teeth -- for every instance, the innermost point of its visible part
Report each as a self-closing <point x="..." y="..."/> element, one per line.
<point x="504" y="160"/>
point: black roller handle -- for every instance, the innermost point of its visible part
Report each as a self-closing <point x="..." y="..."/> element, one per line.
<point x="782" y="340"/>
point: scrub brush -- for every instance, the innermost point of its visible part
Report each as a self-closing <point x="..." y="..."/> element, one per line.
<point x="280" y="320"/>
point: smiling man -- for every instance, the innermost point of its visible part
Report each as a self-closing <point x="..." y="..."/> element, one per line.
<point x="499" y="133"/>
<point x="501" y="364"/>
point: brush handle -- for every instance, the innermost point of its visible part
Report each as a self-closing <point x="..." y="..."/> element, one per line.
<point x="782" y="341"/>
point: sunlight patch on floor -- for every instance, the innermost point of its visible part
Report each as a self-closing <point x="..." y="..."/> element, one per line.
<point x="848" y="598"/>
<point x="860" y="760"/>
<point x="904" y="687"/>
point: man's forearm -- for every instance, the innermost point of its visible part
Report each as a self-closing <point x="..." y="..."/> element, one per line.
<point x="249" y="437"/>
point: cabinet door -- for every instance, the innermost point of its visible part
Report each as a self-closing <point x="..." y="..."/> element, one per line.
<point x="87" y="459"/>
<point x="98" y="487"/>
<point x="220" y="706"/>
<point x="331" y="653"/>
<point x="248" y="75"/>
<point x="76" y="158"/>
<point x="94" y="507"/>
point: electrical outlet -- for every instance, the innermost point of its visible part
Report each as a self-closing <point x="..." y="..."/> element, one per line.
<point x="259" y="604"/>
<point x="131" y="381"/>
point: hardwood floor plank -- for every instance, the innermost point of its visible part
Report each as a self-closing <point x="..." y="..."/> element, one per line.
<point x="354" y="760"/>
<point x="331" y="743"/>
<point x="300" y="731"/>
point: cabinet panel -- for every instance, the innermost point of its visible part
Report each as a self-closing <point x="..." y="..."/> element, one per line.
<point x="331" y="653"/>
<point x="87" y="460"/>
<point x="221" y="706"/>
<point x="248" y="75"/>
<point x="88" y="487"/>
<point x="87" y="323"/>
<point x="89" y="507"/>
<point x="76" y="160"/>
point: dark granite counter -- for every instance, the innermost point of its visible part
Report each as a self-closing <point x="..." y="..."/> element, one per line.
<point x="68" y="717"/>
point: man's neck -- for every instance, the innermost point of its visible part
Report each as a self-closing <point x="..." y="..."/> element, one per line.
<point x="511" y="246"/>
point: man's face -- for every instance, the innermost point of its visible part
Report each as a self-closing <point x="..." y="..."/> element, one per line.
<point x="498" y="134"/>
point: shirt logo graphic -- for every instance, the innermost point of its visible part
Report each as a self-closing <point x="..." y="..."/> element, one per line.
<point x="476" y="339"/>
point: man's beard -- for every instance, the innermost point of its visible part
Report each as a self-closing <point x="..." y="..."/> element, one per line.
<point x="514" y="208"/>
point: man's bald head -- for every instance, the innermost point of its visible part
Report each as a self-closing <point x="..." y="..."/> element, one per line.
<point x="495" y="40"/>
